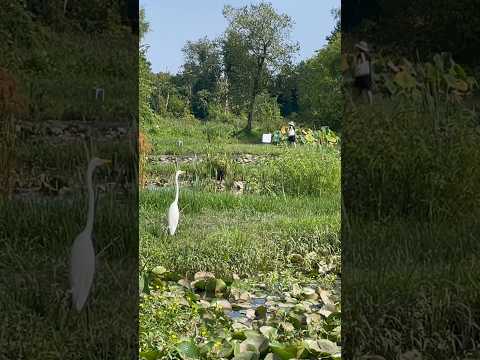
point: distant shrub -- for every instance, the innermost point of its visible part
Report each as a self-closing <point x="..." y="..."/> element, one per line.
<point x="217" y="113"/>
<point x="217" y="131"/>
<point x="267" y="112"/>
<point x="302" y="173"/>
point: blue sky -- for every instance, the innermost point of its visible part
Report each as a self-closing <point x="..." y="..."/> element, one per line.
<point x="173" y="22"/>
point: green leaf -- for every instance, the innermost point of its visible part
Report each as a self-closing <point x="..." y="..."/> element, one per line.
<point x="287" y="351"/>
<point x="226" y="350"/>
<point x="327" y="347"/>
<point x="255" y="342"/>
<point x="188" y="350"/>
<point x="220" y="285"/>
<point x="269" y="331"/>
<point x="159" y="270"/>
<point x="405" y="80"/>
<point x="150" y="355"/>
<point x="247" y="355"/>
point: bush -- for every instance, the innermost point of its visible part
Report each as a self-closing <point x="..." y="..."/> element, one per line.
<point x="301" y="173"/>
<point x="216" y="113"/>
<point x="218" y="131"/>
<point x="267" y="112"/>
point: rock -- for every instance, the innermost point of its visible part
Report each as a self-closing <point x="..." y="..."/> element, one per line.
<point x="244" y="296"/>
<point x="205" y="304"/>
<point x="327" y="310"/>
<point x="224" y="304"/>
<point x="240" y="306"/>
<point x="250" y="314"/>
<point x="309" y="293"/>
<point x="203" y="275"/>
<point x="238" y="187"/>
<point x="313" y="318"/>
<point x="325" y="295"/>
<point x="185" y="283"/>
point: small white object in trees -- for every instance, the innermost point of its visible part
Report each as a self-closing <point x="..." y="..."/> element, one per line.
<point x="267" y="138"/>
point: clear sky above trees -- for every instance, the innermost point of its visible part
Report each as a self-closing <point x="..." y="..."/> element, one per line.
<point x="175" y="22"/>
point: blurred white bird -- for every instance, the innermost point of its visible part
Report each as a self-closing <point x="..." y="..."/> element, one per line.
<point x="173" y="212"/>
<point x="82" y="260"/>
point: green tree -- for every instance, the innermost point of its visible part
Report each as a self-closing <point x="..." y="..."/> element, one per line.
<point x="265" y="35"/>
<point x="238" y="77"/>
<point x="202" y="72"/>
<point x="320" y="82"/>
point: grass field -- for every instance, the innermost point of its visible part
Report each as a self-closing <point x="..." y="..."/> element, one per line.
<point x="276" y="242"/>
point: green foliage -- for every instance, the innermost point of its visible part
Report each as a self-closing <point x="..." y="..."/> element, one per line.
<point x="205" y="330"/>
<point x="215" y="132"/>
<point x="298" y="173"/>
<point x="217" y="113"/>
<point x="267" y="112"/>
<point x="438" y="80"/>
<point x="320" y="86"/>
<point x="235" y="78"/>
<point x="145" y="89"/>
<point x="201" y="73"/>
<point x="264" y="35"/>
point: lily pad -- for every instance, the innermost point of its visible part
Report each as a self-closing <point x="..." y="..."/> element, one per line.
<point x="271" y="356"/>
<point x="159" y="270"/>
<point x="327" y="347"/>
<point x="269" y="331"/>
<point x="255" y="342"/>
<point x="247" y="355"/>
<point x="150" y="355"/>
<point x="188" y="350"/>
<point x="298" y="320"/>
<point x="220" y="285"/>
<point x="287" y="351"/>
<point x="224" y="304"/>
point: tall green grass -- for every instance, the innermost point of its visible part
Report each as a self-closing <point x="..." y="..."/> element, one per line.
<point x="405" y="158"/>
<point x="226" y="234"/>
<point x="409" y="229"/>
<point x="37" y="319"/>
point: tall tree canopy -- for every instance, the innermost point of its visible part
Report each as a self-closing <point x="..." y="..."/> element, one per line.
<point x="265" y="36"/>
<point x="320" y="82"/>
<point x="201" y="72"/>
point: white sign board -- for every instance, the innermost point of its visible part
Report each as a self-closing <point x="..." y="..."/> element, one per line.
<point x="266" y="138"/>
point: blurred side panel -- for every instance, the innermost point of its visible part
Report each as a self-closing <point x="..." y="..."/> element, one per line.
<point x="68" y="96"/>
<point x="411" y="180"/>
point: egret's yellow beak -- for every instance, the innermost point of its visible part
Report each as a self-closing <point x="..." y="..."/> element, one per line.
<point x="107" y="162"/>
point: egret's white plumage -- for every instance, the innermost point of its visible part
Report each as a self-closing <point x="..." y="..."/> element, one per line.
<point x="173" y="211"/>
<point x="82" y="260"/>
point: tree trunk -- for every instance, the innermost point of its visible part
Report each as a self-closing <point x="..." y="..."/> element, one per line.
<point x="256" y="83"/>
<point x="166" y="103"/>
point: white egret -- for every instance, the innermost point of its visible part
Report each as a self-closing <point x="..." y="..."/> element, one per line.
<point x="173" y="212"/>
<point x="82" y="261"/>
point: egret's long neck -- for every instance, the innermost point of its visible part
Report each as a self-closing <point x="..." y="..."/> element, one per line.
<point x="177" y="189"/>
<point x="91" y="200"/>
